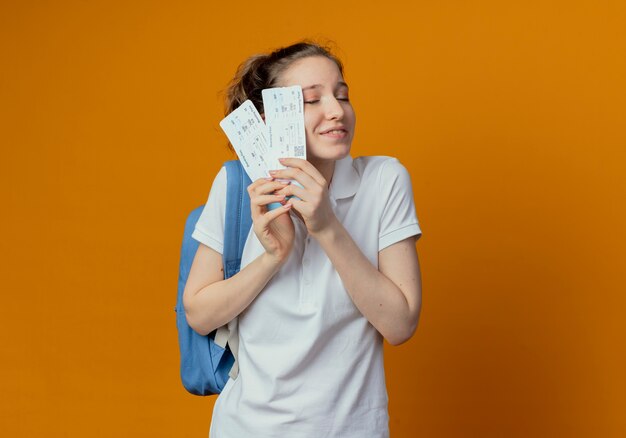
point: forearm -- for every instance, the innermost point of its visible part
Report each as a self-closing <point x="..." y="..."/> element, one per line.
<point x="379" y="300"/>
<point x="218" y="303"/>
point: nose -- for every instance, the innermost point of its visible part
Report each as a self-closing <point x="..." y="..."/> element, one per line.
<point x="333" y="109"/>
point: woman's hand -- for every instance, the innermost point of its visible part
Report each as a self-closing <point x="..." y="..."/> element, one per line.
<point x="313" y="206"/>
<point x="274" y="228"/>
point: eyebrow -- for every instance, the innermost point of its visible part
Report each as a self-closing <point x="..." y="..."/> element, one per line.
<point x="339" y="84"/>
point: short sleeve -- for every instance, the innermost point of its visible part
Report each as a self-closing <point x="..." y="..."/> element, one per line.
<point x="398" y="219"/>
<point x="209" y="229"/>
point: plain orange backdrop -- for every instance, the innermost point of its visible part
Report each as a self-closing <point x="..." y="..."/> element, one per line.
<point x="510" y="117"/>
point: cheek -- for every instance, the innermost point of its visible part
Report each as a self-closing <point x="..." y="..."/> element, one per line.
<point x="309" y="121"/>
<point x="350" y="115"/>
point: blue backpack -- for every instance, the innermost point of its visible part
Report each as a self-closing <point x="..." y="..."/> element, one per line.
<point x="205" y="361"/>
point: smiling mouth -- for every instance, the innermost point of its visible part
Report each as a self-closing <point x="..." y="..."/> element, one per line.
<point x="335" y="133"/>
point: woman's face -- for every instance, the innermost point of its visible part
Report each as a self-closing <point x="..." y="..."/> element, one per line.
<point x="329" y="119"/>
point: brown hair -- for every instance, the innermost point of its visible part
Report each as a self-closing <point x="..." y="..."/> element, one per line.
<point x="262" y="71"/>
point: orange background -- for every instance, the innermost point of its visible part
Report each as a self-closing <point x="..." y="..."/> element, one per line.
<point x="509" y="116"/>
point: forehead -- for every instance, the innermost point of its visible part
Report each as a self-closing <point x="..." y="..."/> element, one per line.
<point x="309" y="71"/>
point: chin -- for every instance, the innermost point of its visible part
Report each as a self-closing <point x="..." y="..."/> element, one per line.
<point x="328" y="157"/>
<point x="329" y="152"/>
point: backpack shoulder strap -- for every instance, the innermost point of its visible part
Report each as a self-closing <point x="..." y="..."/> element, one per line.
<point x="238" y="222"/>
<point x="187" y="254"/>
<point x="237" y="218"/>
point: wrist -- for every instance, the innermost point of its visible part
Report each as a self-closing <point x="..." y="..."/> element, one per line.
<point x="329" y="232"/>
<point x="271" y="263"/>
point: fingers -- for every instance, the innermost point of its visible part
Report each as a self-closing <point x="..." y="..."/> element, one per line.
<point x="299" y="207"/>
<point x="265" y="219"/>
<point x="270" y="199"/>
<point x="312" y="184"/>
<point x="264" y="185"/>
<point x="306" y="167"/>
<point x="297" y="174"/>
<point x="295" y="190"/>
<point x="261" y="193"/>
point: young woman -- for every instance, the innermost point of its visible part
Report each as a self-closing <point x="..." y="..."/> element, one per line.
<point x="324" y="278"/>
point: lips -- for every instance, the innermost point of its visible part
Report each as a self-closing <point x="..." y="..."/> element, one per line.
<point x="336" y="130"/>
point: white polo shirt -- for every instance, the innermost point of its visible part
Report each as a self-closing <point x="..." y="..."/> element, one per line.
<point x="310" y="364"/>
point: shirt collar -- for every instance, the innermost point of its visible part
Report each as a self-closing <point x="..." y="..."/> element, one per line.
<point x="345" y="181"/>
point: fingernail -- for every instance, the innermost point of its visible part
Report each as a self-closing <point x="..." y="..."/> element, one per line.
<point x="268" y="178"/>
